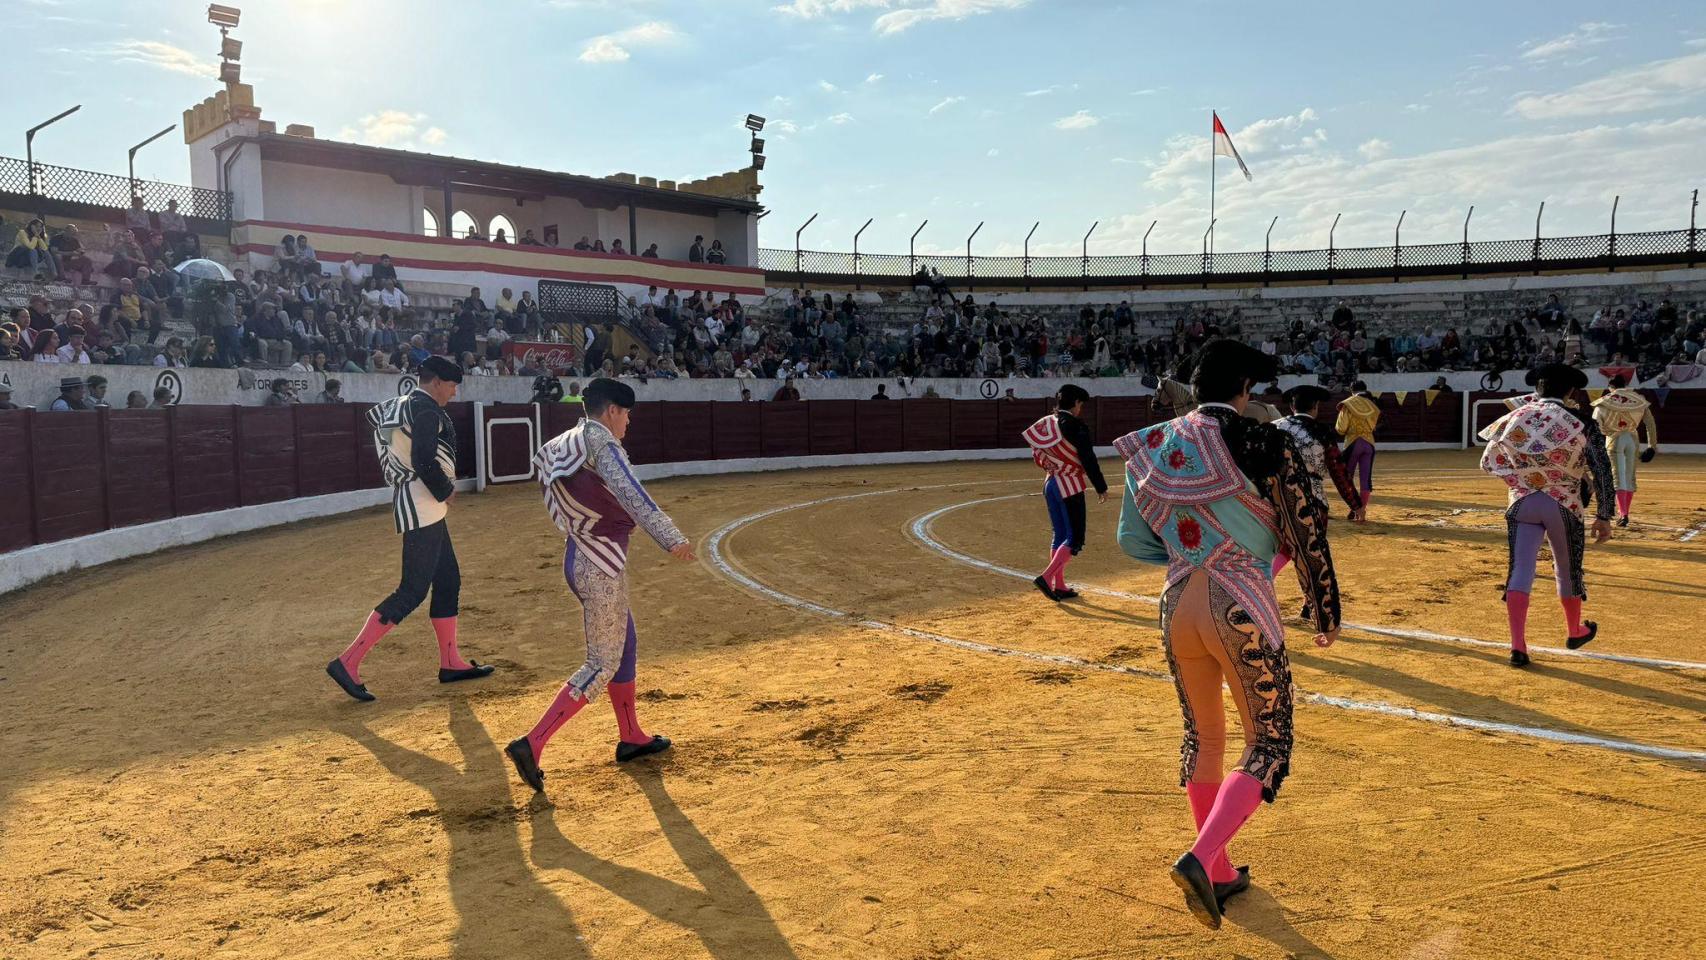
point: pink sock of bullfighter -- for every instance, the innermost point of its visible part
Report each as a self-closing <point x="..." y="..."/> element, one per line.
<point x="364" y="641"/>
<point x="627" y="721"/>
<point x="1240" y="795"/>
<point x="1516" y="608"/>
<point x="1202" y="797"/>
<point x="1573" y="614"/>
<point x="568" y="703"/>
<point x="449" y="658"/>
<point x="1057" y="563"/>
<point x="1280" y="561"/>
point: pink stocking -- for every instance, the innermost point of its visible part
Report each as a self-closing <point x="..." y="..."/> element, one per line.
<point x="1280" y="560"/>
<point x="627" y="721"/>
<point x="1516" y="607"/>
<point x="1240" y="795"/>
<point x="1057" y="564"/>
<point x="370" y="633"/>
<point x="1573" y="613"/>
<point x="449" y="658"/>
<point x="567" y="704"/>
<point x="1202" y="797"/>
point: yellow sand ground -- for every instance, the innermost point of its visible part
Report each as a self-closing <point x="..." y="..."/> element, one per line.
<point x="178" y="778"/>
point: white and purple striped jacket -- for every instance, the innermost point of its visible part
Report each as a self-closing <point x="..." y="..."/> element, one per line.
<point x="595" y="499"/>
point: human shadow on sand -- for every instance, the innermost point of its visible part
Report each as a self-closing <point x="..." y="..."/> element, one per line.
<point x="502" y="907"/>
<point x="723" y="911"/>
<point x="1259" y="914"/>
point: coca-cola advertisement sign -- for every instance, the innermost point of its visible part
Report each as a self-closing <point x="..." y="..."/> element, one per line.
<point x="559" y="358"/>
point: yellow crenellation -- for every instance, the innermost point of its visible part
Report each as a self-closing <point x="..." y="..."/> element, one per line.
<point x="236" y="101"/>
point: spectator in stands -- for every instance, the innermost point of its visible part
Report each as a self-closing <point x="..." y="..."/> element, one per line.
<point x="616" y="248"/>
<point x="384" y="270"/>
<point x="332" y="394"/>
<point x="528" y="240"/>
<point x="174" y="356"/>
<point x="74" y="350"/>
<point x="179" y="238"/>
<point x="126" y="258"/>
<point x="74" y="263"/>
<point x="306" y="257"/>
<point x="33" y="251"/>
<point x="97" y="392"/>
<point x="162" y="398"/>
<point x="651" y="252"/>
<point x="381" y="363"/>
<point x="500" y="236"/>
<point x="282" y="395"/>
<point x="10" y="347"/>
<point x="71" y="396"/>
<point x="528" y="316"/>
<point x="715" y="254"/>
<point x="136" y="400"/>
<point x="391" y="296"/>
<point x="272" y="340"/>
<point x="787" y="391"/>
<point x="45" y="349"/>
<point x="138" y="220"/>
<point x="583" y="243"/>
<point x="285" y="257"/>
<point x="6" y="397"/>
<point x="354" y="274"/>
<point x="205" y="354"/>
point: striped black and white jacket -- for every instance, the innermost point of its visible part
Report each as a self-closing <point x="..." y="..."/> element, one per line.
<point x="416" y="443"/>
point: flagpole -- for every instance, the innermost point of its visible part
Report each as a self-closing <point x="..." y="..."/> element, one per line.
<point x="1213" y="116"/>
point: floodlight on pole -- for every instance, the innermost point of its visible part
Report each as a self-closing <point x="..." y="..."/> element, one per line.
<point x="30" y="139"/>
<point x="230" y="49"/>
<point x="758" y="161"/>
<point x="222" y="16"/>
<point x="754" y="122"/>
<point x="757" y="145"/>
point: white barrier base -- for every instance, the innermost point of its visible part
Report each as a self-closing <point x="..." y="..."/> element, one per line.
<point x="21" y="568"/>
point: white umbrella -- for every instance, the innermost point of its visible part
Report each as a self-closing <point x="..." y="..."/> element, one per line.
<point x="205" y="270"/>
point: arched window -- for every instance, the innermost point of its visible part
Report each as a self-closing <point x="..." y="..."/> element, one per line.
<point x="430" y="219"/>
<point x="501" y="222"/>
<point x="461" y="223"/>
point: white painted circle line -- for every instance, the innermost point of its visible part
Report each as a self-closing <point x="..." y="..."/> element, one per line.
<point x="714" y="553"/>
<point x="921" y="531"/>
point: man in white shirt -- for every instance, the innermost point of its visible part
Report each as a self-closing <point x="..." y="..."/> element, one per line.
<point x="714" y="327"/>
<point x="74" y="351"/>
<point x="354" y="271"/>
<point x="653" y="300"/>
<point x="390" y="296"/>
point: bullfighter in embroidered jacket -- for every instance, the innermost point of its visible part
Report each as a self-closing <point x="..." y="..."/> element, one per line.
<point x="1213" y="496"/>
<point x="1061" y="444"/>
<point x="1620" y="414"/>
<point x="596" y="501"/>
<point x="1544" y="450"/>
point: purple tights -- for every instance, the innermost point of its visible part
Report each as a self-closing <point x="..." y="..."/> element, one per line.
<point x="1538" y="515"/>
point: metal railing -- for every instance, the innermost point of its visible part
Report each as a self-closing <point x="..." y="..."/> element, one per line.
<point x="109" y="190"/>
<point x="1603" y="252"/>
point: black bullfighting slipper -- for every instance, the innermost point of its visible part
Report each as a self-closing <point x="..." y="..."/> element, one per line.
<point x="1066" y="594"/>
<point x="1226" y="891"/>
<point x="1623" y="521"/>
<point x="521" y="754"/>
<point x="634" y="751"/>
<point x="336" y="671"/>
<point x="1576" y="643"/>
<point x="1519" y="658"/>
<point x="1192" y="880"/>
<point x="474" y="672"/>
<point x="1047" y="590"/>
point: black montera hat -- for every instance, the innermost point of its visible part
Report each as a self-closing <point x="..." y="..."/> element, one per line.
<point x="442" y="368"/>
<point x="1558" y="376"/>
<point x="604" y="391"/>
<point x="1237" y="357"/>
<point x="1306" y="395"/>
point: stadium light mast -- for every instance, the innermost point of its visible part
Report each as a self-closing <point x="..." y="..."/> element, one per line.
<point x="856" y="253"/>
<point x="1034" y="227"/>
<point x="133" y="191"/>
<point x="1466" y="217"/>
<point x="1084" y="254"/>
<point x="30" y="139"/>
<point x="799" y="268"/>
<point x="968" y="254"/>
<point x="911" y="259"/>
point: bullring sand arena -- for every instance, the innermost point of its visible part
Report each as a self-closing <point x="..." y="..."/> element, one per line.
<point x="887" y="744"/>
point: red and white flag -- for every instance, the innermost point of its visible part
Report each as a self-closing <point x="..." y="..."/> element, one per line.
<point x="1223" y="145"/>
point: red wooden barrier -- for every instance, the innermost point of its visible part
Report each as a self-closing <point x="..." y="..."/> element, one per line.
<point x="68" y="475"/>
<point x="204" y="470"/>
<point x="785" y="429"/>
<point x="1015" y="416"/>
<point x="687" y="431"/>
<point x="266" y="454"/>
<point x="644" y="441"/>
<point x="1118" y="416"/>
<point x="877" y="425"/>
<point x="367" y="473"/>
<point x="832" y="426"/>
<point x="138" y="442"/>
<point x="925" y="424"/>
<point x="17" y="523"/>
<point x="326" y="449"/>
<point x="462" y="417"/>
<point x="973" y="426"/>
<point x="738" y="430"/>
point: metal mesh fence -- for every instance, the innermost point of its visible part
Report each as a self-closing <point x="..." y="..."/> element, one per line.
<point x="1481" y="256"/>
<point x="108" y="190"/>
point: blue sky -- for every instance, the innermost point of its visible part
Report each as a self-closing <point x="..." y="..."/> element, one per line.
<point x="959" y="111"/>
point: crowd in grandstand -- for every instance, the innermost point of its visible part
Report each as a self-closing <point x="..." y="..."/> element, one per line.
<point x="359" y="318"/>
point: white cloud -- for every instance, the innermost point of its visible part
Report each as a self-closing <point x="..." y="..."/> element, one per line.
<point x="902" y="14"/>
<point x="614" y="47"/>
<point x="1147" y="91"/>
<point x="394" y="128"/>
<point x="1374" y="149"/>
<point x="1417" y="107"/>
<point x="840" y="118"/>
<point x="1660" y="83"/>
<point x="1043" y="92"/>
<point x="1082" y="120"/>
<point x="1123" y="160"/>
<point x="1182" y="158"/>
<point x="1586" y="35"/>
<point x="782" y="126"/>
<point x="993" y="152"/>
<point x="1696" y="42"/>
<point x="827" y="87"/>
<point x="945" y="104"/>
<point x="873" y="78"/>
<point x="159" y="55"/>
